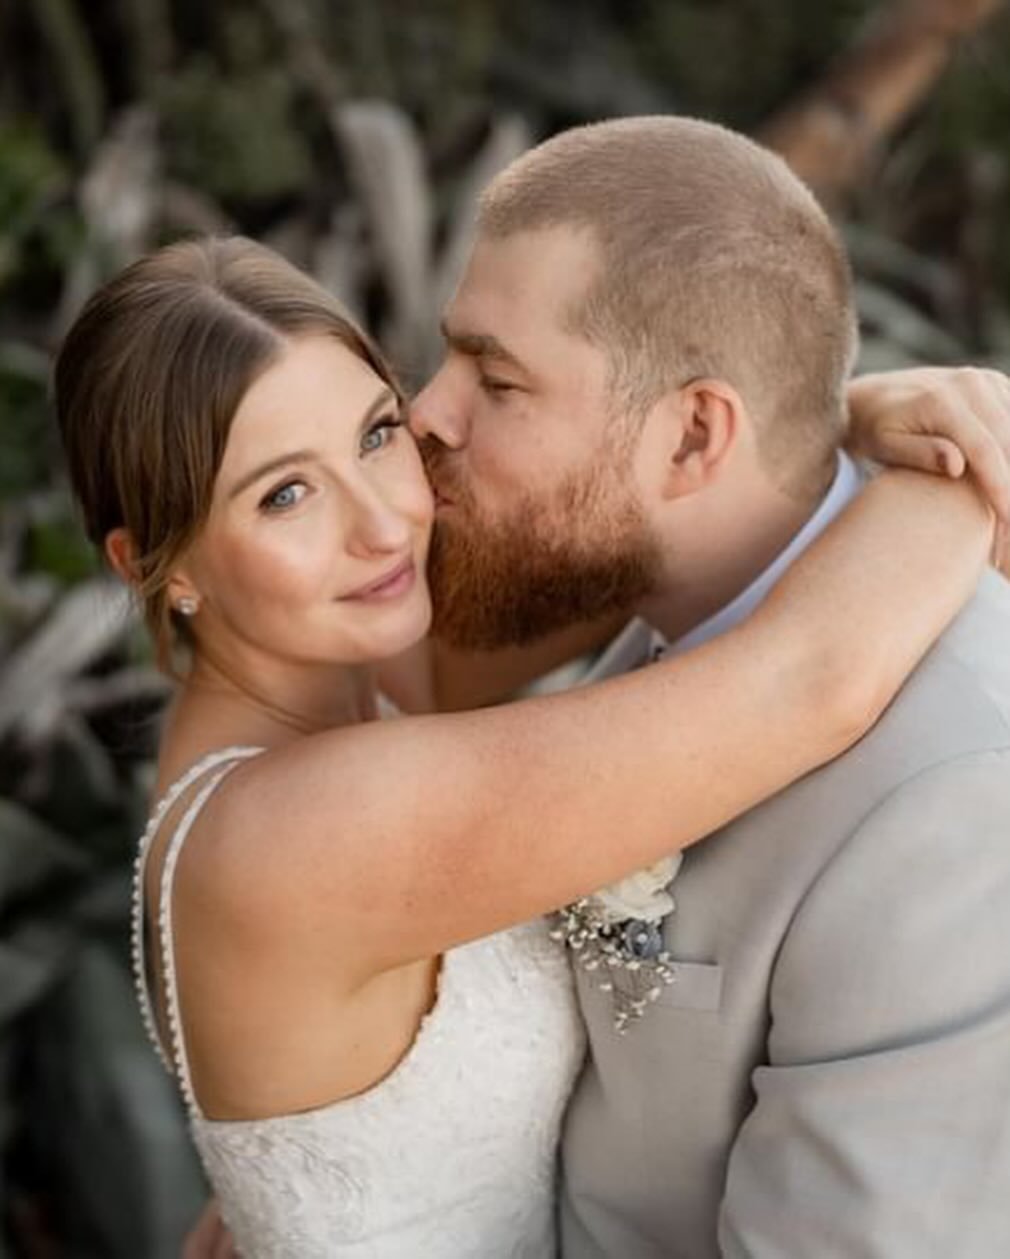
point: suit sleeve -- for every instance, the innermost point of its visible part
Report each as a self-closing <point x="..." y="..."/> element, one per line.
<point x="881" y="1123"/>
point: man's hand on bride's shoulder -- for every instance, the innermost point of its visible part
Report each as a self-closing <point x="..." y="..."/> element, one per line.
<point x="943" y="420"/>
<point x="209" y="1238"/>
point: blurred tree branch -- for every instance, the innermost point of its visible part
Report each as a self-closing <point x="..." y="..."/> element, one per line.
<point x="833" y="134"/>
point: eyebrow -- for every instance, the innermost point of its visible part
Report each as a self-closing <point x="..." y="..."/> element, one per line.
<point x="478" y="345"/>
<point x="303" y="456"/>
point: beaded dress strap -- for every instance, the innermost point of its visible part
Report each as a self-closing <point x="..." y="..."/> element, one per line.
<point x="229" y="758"/>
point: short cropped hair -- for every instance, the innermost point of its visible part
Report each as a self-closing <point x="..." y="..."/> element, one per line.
<point x="716" y="261"/>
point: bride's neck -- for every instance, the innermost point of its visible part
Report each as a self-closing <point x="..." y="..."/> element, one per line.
<point x="220" y="707"/>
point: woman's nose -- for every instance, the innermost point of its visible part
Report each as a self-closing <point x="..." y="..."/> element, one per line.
<point x="376" y="526"/>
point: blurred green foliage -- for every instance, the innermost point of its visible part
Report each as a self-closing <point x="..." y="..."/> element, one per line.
<point x="215" y="140"/>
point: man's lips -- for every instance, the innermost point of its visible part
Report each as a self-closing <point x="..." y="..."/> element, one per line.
<point x="443" y="497"/>
<point x="395" y="582"/>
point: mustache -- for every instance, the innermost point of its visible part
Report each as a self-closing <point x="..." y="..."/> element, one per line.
<point x="442" y="469"/>
<point x="432" y="452"/>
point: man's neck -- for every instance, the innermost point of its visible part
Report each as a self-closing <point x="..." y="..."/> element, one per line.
<point x="466" y="679"/>
<point x="731" y="552"/>
<point x="463" y="679"/>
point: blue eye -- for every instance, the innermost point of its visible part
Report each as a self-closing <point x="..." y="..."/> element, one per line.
<point x="380" y="434"/>
<point x="285" y="496"/>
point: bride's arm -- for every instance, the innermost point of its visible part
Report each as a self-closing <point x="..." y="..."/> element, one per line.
<point x="936" y="419"/>
<point x="394" y="841"/>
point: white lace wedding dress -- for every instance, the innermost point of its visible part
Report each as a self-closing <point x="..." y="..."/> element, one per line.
<point x="452" y="1156"/>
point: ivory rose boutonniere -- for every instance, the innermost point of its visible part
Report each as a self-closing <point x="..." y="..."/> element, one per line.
<point x="618" y="933"/>
<point x="641" y="895"/>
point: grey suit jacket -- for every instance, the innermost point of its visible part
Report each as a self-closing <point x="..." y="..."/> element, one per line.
<point x="829" y="1075"/>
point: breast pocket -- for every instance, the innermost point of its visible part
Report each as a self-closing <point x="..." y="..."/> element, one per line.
<point x="696" y="986"/>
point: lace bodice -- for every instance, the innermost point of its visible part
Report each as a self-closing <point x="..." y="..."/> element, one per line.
<point x="451" y="1156"/>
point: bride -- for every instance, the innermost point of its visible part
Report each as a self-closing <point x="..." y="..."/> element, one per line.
<point x="374" y="1056"/>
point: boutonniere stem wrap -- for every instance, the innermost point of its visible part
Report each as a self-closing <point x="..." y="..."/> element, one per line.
<point x="616" y="935"/>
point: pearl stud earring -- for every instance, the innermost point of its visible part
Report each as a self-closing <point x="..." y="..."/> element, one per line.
<point x="187" y="606"/>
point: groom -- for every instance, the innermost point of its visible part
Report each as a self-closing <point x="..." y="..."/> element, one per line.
<point x="642" y="405"/>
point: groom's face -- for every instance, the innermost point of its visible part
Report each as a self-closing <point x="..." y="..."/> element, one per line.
<point x="539" y="521"/>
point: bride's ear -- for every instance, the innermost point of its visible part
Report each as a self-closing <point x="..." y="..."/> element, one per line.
<point x="122" y="555"/>
<point x="121" y="552"/>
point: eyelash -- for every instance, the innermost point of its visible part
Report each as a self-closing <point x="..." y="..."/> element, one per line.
<point x="269" y="504"/>
<point x="496" y="388"/>
<point x="387" y="423"/>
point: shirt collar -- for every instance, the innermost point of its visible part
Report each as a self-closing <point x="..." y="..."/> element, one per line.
<point x="638" y="642"/>
<point x="846" y="485"/>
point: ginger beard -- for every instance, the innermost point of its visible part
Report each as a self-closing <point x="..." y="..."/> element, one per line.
<point x="578" y="554"/>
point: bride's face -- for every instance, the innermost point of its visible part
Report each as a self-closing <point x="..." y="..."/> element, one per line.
<point x="314" y="550"/>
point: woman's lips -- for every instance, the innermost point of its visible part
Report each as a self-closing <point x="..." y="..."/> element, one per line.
<point x="391" y="586"/>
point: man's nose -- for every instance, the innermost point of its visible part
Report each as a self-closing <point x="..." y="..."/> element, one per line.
<point x="439" y="411"/>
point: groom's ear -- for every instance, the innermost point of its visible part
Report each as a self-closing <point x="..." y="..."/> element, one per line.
<point x="704" y="422"/>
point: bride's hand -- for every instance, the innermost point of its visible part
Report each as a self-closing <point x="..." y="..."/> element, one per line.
<point x="209" y="1238"/>
<point x="937" y="419"/>
<point x="940" y="419"/>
